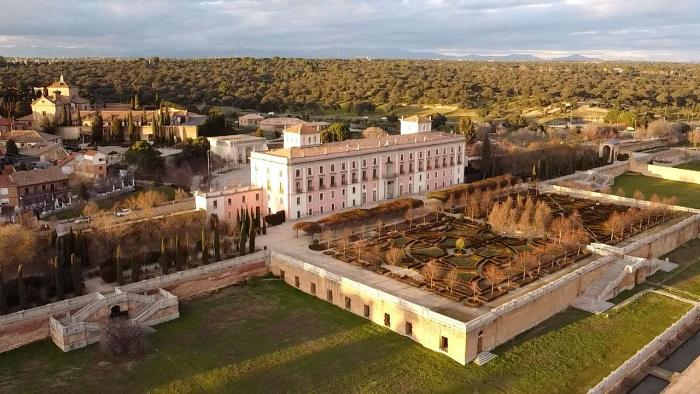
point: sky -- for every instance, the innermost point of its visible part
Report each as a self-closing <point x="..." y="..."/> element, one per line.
<point x="654" y="30"/>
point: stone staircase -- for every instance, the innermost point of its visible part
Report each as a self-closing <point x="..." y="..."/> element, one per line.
<point x="594" y="299"/>
<point x="484" y="357"/>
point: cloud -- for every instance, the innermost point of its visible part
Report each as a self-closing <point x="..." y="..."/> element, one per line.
<point x="610" y="28"/>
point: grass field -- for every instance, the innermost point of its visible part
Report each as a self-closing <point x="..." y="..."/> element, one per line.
<point x="687" y="276"/>
<point x="268" y="337"/>
<point x="691" y="165"/>
<point x="687" y="193"/>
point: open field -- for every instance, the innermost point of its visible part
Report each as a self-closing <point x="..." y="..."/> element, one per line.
<point x="266" y="336"/>
<point x="691" y="165"/>
<point x="687" y="193"/>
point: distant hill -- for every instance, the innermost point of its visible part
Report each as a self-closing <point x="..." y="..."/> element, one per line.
<point x="576" y="58"/>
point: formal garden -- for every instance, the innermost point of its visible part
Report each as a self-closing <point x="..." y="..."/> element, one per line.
<point x="480" y="244"/>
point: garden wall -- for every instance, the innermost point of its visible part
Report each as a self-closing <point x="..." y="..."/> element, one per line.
<point x="21" y="328"/>
<point x="504" y="322"/>
<point x="670" y="173"/>
<point x="414" y="321"/>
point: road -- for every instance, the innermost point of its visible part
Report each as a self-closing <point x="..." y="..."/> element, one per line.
<point x="174" y="208"/>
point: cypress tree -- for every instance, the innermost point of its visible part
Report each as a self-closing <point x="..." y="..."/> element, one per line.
<point x="251" y="246"/>
<point x="131" y="129"/>
<point x="136" y="268"/>
<point x="3" y="295"/>
<point x="76" y="275"/>
<point x="486" y="159"/>
<point x="118" y="261"/>
<point x="264" y="227"/>
<point x="176" y="252"/>
<point x="186" y="249"/>
<point x="217" y="244"/>
<point x="84" y="250"/>
<point x="58" y="279"/>
<point x="21" y="288"/>
<point x="205" y="248"/>
<point x="163" y="257"/>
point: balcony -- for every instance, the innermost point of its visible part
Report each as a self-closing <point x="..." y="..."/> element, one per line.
<point x="354" y="180"/>
<point x="309" y="188"/>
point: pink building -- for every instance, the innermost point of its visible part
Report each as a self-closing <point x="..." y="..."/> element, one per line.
<point x="307" y="179"/>
<point x="226" y="203"/>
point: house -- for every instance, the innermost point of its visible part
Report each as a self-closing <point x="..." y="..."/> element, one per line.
<point x="28" y="138"/>
<point x="40" y="189"/>
<point x="278" y="124"/>
<point x="6" y="124"/>
<point x="90" y="164"/>
<point x="310" y="179"/>
<point x="237" y="148"/>
<point x="250" y="120"/>
<point x="416" y="124"/>
<point x="227" y="203"/>
<point x="58" y="102"/>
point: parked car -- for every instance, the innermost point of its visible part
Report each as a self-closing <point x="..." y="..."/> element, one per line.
<point x="82" y="219"/>
<point x="122" y="212"/>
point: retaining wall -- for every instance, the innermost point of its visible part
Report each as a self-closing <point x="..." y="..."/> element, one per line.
<point x="24" y="327"/>
<point x="610" y="382"/>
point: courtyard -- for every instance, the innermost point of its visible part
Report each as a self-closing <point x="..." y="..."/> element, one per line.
<point x="265" y="336"/>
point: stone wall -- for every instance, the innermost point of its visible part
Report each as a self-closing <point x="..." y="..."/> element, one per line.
<point x="416" y="322"/>
<point x="24" y="327"/>
<point x="668" y="173"/>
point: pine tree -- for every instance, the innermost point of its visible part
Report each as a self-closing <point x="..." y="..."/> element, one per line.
<point x="163" y="257"/>
<point x="76" y="275"/>
<point x="118" y="261"/>
<point x="21" y="287"/>
<point x="3" y="295"/>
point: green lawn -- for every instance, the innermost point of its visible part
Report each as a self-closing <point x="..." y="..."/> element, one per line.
<point x="687" y="276"/>
<point x="269" y="337"/>
<point x="687" y="193"/>
<point x="691" y="165"/>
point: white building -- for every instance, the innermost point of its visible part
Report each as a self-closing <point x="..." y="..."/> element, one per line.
<point x="310" y="180"/>
<point x="237" y="148"/>
<point x="416" y="124"/>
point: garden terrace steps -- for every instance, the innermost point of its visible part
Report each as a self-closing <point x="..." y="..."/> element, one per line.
<point x="484" y="357"/>
<point x="591" y="305"/>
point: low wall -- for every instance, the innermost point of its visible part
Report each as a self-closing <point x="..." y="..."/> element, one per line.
<point x="671" y="173"/>
<point x="24" y="327"/>
<point x="637" y="361"/>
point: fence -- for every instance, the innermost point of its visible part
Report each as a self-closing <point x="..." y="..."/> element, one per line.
<point x="644" y="354"/>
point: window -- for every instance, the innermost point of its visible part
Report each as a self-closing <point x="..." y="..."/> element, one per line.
<point x="296" y="281"/>
<point x="409" y="328"/>
<point x="282" y="274"/>
<point x="229" y="202"/>
<point x="342" y="166"/>
<point x="313" y="288"/>
<point x="310" y="212"/>
<point x="310" y="197"/>
<point x="298" y="173"/>
<point x="347" y="302"/>
<point x="366" y="311"/>
<point x="257" y="197"/>
<point x="308" y="171"/>
<point x="329" y="295"/>
<point x="443" y="344"/>
<point x="332" y="167"/>
<point x="215" y="204"/>
<point x="320" y="170"/>
<point x="387" y="320"/>
<point x="243" y="199"/>
<point x="298" y="200"/>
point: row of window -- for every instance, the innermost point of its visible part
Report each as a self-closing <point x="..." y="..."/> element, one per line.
<point x="366" y="311"/>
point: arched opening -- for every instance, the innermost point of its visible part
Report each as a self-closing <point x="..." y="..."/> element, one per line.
<point x="117" y="312"/>
<point x="480" y="342"/>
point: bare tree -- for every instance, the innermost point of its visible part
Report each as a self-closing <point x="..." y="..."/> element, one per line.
<point x="452" y="279"/>
<point x="359" y="246"/>
<point x="327" y="237"/>
<point x="121" y="337"/>
<point x="395" y="256"/>
<point x="494" y="275"/>
<point x="476" y="291"/>
<point x="345" y="236"/>
<point x="525" y="261"/>
<point x="17" y="245"/>
<point x="431" y="270"/>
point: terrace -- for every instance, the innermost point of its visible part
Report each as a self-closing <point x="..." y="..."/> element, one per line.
<point x="449" y="259"/>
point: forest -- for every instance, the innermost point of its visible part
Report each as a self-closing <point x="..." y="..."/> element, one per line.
<point x="314" y="86"/>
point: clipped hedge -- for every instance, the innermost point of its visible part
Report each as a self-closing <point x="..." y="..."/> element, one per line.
<point x="360" y="215"/>
<point x="459" y="190"/>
